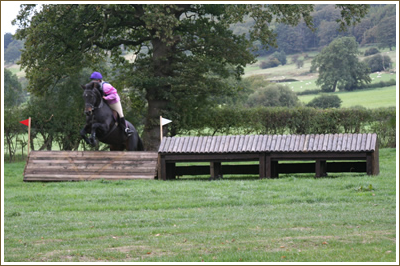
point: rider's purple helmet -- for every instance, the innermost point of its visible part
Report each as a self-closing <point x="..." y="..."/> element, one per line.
<point x="96" y="75"/>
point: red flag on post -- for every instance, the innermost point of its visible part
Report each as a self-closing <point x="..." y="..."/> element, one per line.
<point x="25" y="122"/>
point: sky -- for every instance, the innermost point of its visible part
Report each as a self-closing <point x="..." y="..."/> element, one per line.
<point x="9" y="11"/>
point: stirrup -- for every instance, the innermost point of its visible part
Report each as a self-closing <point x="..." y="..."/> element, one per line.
<point x="128" y="131"/>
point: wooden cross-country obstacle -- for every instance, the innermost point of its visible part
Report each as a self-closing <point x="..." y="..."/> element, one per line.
<point x="90" y="165"/>
<point x="328" y="153"/>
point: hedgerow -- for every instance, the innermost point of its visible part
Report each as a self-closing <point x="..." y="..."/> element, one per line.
<point x="298" y="120"/>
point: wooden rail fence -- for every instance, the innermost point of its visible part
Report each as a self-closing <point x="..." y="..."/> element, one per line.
<point x="89" y="165"/>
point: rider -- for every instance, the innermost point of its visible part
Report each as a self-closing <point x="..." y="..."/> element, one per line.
<point x="110" y="94"/>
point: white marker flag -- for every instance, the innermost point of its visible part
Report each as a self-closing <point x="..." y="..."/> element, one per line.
<point x="165" y="121"/>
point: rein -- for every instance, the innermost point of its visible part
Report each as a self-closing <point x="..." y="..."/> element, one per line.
<point x="100" y="104"/>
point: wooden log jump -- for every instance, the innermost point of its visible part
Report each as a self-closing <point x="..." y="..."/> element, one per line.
<point x="89" y="165"/>
<point x="345" y="153"/>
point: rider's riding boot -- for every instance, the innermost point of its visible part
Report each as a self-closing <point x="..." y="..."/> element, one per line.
<point x="126" y="129"/>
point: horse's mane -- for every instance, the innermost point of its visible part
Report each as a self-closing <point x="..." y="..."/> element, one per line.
<point x="95" y="85"/>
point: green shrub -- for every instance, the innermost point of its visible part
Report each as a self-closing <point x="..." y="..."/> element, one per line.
<point x="273" y="95"/>
<point x="378" y="62"/>
<point x="273" y="62"/>
<point x="325" y="101"/>
<point x="281" y="56"/>
<point x="371" y="51"/>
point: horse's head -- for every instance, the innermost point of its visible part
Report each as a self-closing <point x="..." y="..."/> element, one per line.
<point x="92" y="96"/>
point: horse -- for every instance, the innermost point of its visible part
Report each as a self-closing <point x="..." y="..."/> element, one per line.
<point x="102" y="123"/>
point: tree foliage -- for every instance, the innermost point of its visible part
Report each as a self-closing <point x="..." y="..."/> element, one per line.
<point x="338" y="66"/>
<point x="325" y="101"/>
<point x="273" y="95"/>
<point x="184" y="52"/>
<point x="13" y="93"/>
<point x="378" y="62"/>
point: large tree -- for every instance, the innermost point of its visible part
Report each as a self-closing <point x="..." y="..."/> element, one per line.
<point x="13" y="92"/>
<point x="338" y="66"/>
<point x="183" y="51"/>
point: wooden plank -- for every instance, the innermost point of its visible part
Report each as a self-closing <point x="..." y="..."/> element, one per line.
<point x="269" y="143"/>
<point x="198" y="144"/>
<point x="283" y="143"/>
<point x="189" y="145"/>
<point x="292" y="143"/>
<point x="359" y="142"/>
<point x="247" y="146"/>
<point x="278" y="142"/>
<point x="344" y="143"/>
<point x="325" y="142"/>
<point x="317" y="142"/>
<point x="354" y="140"/>
<point x="368" y="144"/>
<point x="185" y="144"/>
<point x="194" y="144"/>
<point x="178" y="145"/>
<point x="208" y="144"/>
<point x="300" y="145"/>
<point x="93" y="155"/>
<point x="253" y="144"/>
<point x="273" y="143"/>
<point x="226" y="144"/>
<point x="374" y="142"/>
<point x="364" y="142"/>
<point x="244" y="146"/>
<point x="231" y="144"/>
<point x="311" y="142"/>
<point x="236" y="144"/>
<point x="61" y="177"/>
<point x="349" y="142"/>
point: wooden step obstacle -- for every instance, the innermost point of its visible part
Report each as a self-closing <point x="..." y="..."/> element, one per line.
<point x="90" y="165"/>
<point x="329" y="153"/>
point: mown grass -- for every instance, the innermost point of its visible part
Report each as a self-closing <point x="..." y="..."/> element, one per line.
<point x="369" y="98"/>
<point x="296" y="218"/>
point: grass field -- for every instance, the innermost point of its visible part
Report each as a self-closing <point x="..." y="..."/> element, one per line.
<point x="372" y="98"/>
<point x="296" y="218"/>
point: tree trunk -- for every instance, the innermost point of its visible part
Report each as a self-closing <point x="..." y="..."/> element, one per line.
<point x="162" y="58"/>
<point x="334" y="86"/>
<point x="151" y="133"/>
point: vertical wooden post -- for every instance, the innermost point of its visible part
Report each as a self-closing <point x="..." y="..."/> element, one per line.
<point x="215" y="169"/>
<point x="29" y="135"/>
<point x="268" y="166"/>
<point x="320" y="168"/>
<point x="161" y="129"/>
<point x="163" y="168"/>
<point x="262" y="167"/>
<point x="171" y="173"/>
<point x="274" y="169"/>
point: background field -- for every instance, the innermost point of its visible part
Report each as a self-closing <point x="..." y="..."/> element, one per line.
<point x="370" y="98"/>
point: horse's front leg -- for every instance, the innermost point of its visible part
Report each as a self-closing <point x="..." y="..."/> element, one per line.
<point x="83" y="133"/>
<point x="95" y="127"/>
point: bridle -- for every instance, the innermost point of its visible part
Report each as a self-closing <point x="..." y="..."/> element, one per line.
<point x="91" y="106"/>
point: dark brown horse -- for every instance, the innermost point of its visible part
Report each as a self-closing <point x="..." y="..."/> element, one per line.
<point x="102" y="123"/>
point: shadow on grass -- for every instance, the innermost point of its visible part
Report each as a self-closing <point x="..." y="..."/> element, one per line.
<point x="256" y="177"/>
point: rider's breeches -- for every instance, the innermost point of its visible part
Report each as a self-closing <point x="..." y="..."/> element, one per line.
<point x="117" y="107"/>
